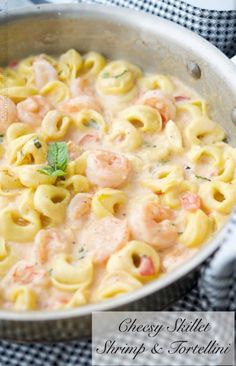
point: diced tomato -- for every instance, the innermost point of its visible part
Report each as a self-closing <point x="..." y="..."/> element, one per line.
<point x="146" y="267"/>
<point x="181" y="98"/>
<point x="190" y="201"/>
<point x="13" y="63"/>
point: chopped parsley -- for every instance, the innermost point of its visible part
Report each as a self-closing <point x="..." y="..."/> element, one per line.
<point x="203" y="178"/>
<point x="1" y="137"/>
<point x="37" y="143"/>
<point x="121" y="74"/>
<point x="92" y="123"/>
<point x="226" y="140"/>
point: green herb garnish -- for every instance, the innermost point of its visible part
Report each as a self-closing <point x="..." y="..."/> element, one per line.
<point x="37" y="143"/>
<point x="50" y="271"/>
<point x="1" y="137"/>
<point x="121" y="74"/>
<point x="105" y="75"/>
<point x="203" y="178"/>
<point x="57" y="158"/>
<point x="226" y="140"/>
<point x="92" y="123"/>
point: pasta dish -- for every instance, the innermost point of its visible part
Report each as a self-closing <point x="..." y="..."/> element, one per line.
<point x="109" y="178"/>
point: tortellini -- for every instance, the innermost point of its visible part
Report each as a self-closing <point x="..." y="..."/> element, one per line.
<point x="172" y="196"/>
<point x="165" y="177"/>
<point x="70" y="277"/>
<point x="174" y="137"/>
<point x="106" y="201"/>
<point x="69" y="65"/>
<point x="118" y="77"/>
<point x="17" y="226"/>
<point x="30" y="176"/>
<point x="24" y="298"/>
<point x="90" y="119"/>
<point x="157" y="81"/>
<point x="115" y="284"/>
<point x="218" y="196"/>
<point x="203" y="130"/>
<point x="131" y="259"/>
<point x="55" y="91"/>
<point x="76" y="183"/>
<point x="55" y="126"/>
<point x="8" y="257"/>
<point x="197" y="229"/>
<point x="27" y="149"/>
<point x="93" y="63"/>
<point x="145" y="118"/>
<point x="125" y="135"/>
<point x="51" y="202"/>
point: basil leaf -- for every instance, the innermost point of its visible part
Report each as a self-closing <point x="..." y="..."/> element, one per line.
<point x="47" y="170"/>
<point x="58" y="173"/>
<point x="58" y="157"/>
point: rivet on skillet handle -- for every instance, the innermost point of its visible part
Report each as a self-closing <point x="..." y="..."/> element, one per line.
<point x="233" y="116"/>
<point x="194" y="69"/>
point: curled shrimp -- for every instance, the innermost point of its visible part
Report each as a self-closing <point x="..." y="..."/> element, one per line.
<point x="104" y="237"/>
<point x="33" y="109"/>
<point x="51" y="242"/>
<point x="151" y="222"/>
<point x="44" y="72"/>
<point x="8" y="113"/>
<point x="27" y="273"/>
<point x="80" y="86"/>
<point x="107" y="169"/>
<point x="74" y="105"/>
<point x="161" y="101"/>
<point x="79" y="207"/>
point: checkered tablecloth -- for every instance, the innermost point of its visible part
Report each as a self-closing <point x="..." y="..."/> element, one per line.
<point x="214" y="290"/>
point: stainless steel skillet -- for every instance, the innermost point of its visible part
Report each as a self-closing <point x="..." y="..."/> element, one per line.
<point x="156" y="45"/>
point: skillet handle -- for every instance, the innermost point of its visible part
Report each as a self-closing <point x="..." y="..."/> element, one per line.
<point x="217" y="279"/>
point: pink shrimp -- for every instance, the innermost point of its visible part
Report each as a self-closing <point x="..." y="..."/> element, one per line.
<point x="51" y="242"/>
<point x="161" y="101"/>
<point x="107" y="169"/>
<point x="190" y="201"/>
<point x="151" y="222"/>
<point x="25" y="272"/>
<point x="8" y="113"/>
<point x="44" y="72"/>
<point x="74" y="105"/>
<point x="33" y="109"/>
<point x="74" y="149"/>
<point x="80" y="86"/>
<point x="79" y="207"/>
<point x="89" y="140"/>
<point x="104" y="237"/>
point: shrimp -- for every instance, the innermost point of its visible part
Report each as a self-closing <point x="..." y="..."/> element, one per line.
<point x="161" y="101"/>
<point x="190" y="201"/>
<point x="33" y="109"/>
<point x="44" y="72"/>
<point x="175" y="256"/>
<point x="8" y="113"/>
<point x="107" y="169"/>
<point x="74" y="149"/>
<point x="80" y="86"/>
<point x="79" y="207"/>
<point x="104" y="237"/>
<point x="88" y="140"/>
<point x="27" y="273"/>
<point x="51" y="242"/>
<point x="150" y="222"/>
<point x="74" y="105"/>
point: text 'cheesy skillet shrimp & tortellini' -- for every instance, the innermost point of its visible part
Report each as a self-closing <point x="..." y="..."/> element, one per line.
<point x="110" y="177"/>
